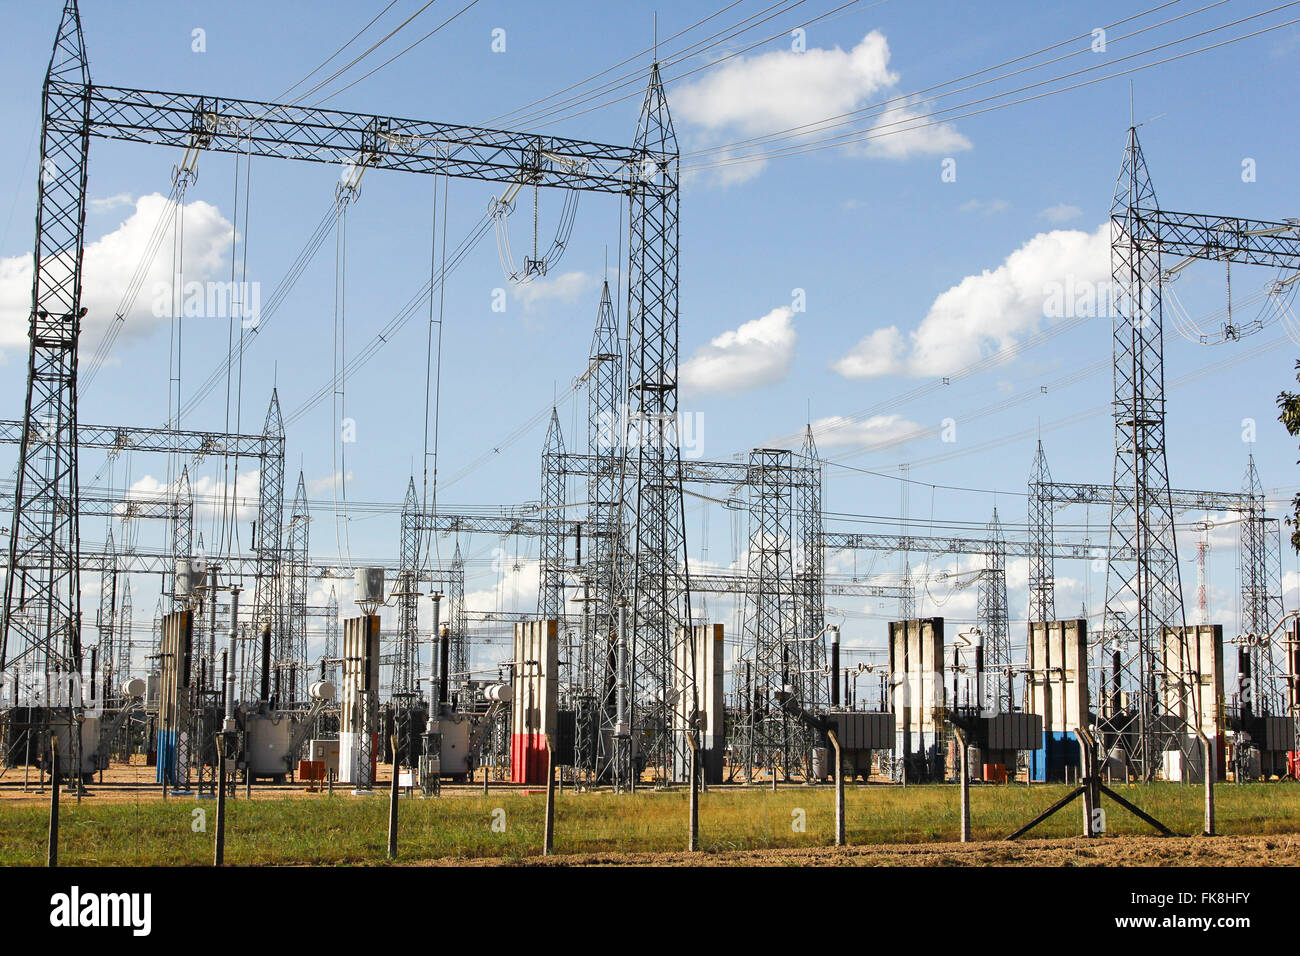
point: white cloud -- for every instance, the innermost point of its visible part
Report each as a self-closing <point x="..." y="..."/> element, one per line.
<point x="208" y="493"/>
<point x="108" y="265"/>
<point x="783" y="90"/>
<point x="759" y="352"/>
<point x="110" y="202"/>
<point x="880" y="353"/>
<point x="988" y="207"/>
<point x="326" y="483"/>
<point x="565" y="288"/>
<point x="1061" y="212"/>
<point x="516" y="589"/>
<point x="876" y="431"/>
<point x="902" y="132"/>
<point x="987" y="312"/>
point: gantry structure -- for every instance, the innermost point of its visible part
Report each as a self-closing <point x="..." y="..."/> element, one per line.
<point x="628" y="572"/>
<point x="1144" y="598"/>
<point x="41" y="619"/>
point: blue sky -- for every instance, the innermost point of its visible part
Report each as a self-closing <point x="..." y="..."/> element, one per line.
<point x="884" y="250"/>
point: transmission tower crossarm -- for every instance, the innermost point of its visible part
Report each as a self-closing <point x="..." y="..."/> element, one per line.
<point x="189" y="442"/>
<point x="283" y="131"/>
<point x="1221" y="238"/>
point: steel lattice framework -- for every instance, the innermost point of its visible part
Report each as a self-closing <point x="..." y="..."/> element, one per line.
<point x="106" y="621"/>
<point x="991" y="613"/>
<point x="907" y="603"/>
<point x="125" y="644"/>
<point x="1042" y="573"/>
<point x="1261" y="604"/>
<point x="810" y="574"/>
<point x="183" y="528"/>
<point x="656" y="574"/>
<point x="41" y="623"/>
<point x="42" y="596"/>
<point x="769" y="737"/>
<point x="935" y="544"/>
<point x="1144" y="595"/>
<point x="268" y="596"/>
<point x="407" y="593"/>
<point x="459" y="651"/>
<point x="606" y="403"/>
<point x="331" y="635"/>
<point x="550" y="591"/>
<point x="267" y="448"/>
<point x="291" y="658"/>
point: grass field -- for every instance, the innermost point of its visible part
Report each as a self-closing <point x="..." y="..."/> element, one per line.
<point x="343" y="829"/>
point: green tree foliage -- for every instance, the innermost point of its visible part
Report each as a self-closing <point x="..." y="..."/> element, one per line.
<point x="1289" y="416"/>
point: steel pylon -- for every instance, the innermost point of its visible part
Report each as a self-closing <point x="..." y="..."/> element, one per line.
<point x="40" y="629"/>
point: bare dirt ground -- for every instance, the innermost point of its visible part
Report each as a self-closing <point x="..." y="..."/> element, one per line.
<point x="1276" y="850"/>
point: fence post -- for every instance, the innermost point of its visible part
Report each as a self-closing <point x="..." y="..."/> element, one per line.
<point x="840" y="839"/>
<point x="964" y="770"/>
<point x="219" y="850"/>
<point x="392" y="802"/>
<point x="693" y="842"/>
<point x="52" y="856"/>
<point x="548" y="834"/>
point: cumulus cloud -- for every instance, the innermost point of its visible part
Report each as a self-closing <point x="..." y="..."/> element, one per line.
<point x="108" y="203"/>
<point x="209" y="493"/>
<point x="903" y="131"/>
<point x="759" y="352"/>
<point x="783" y="90"/>
<point x="516" y="589"/>
<point x="987" y="312"/>
<point x="108" y="266"/>
<point x="876" y="431"/>
<point x="879" y="353"/>
<point x="326" y="483"/>
<point x="565" y="288"/>
<point x="1061" y="212"/>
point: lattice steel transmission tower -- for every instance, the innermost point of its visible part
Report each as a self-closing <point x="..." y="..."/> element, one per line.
<point x="1144" y="596"/>
<point x="1143" y="587"/>
<point x="1042" y="568"/>
<point x="991" y="613"/>
<point x="407" y="592"/>
<point x="907" y="602"/>
<point x="125" y="644"/>
<point x="458" y="621"/>
<point x="599" y="677"/>
<point x="155" y="637"/>
<point x="604" y="446"/>
<point x="659" y="585"/>
<point x="332" y="634"/>
<point x="292" y="663"/>
<point x="40" y="628"/>
<point x="1259" y="609"/>
<point x="770" y="738"/>
<point x="268" y="591"/>
<point x="182" y="528"/>
<point x="550" y="591"/>
<point x="810" y="574"/>
<point x="106" y="620"/>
